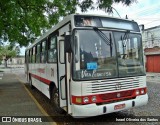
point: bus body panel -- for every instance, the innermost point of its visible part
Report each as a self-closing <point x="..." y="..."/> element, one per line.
<point x="42" y="75"/>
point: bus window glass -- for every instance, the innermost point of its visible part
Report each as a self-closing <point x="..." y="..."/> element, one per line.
<point x="52" y="51"/>
<point x="38" y="48"/>
<point x="33" y="55"/>
<point x="30" y="55"/>
<point x="87" y="21"/>
<point x="95" y="58"/>
<point x="38" y="53"/>
<point x="117" y="24"/>
<point x="43" y="46"/>
<point x="129" y="53"/>
<point x="43" y="52"/>
<point x="61" y="51"/>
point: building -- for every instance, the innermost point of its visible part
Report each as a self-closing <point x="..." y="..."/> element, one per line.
<point x="151" y="44"/>
<point x="20" y="60"/>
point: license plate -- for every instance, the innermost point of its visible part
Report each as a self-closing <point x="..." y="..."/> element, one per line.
<point x="120" y="106"/>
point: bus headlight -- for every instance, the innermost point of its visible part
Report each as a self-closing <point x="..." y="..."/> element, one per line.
<point x="85" y="99"/>
<point x="94" y="99"/>
<point x="142" y="91"/>
<point x="137" y="92"/>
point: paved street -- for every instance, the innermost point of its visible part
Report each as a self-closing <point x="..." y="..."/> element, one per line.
<point x="15" y="100"/>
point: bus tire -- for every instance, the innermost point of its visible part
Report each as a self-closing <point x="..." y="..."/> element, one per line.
<point x="30" y="83"/>
<point x="55" y="100"/>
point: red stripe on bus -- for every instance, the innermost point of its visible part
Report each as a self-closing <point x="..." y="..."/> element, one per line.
<point x="46" y="81"/>
<point x="109" y="97"/>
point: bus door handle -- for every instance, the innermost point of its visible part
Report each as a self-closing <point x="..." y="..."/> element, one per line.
<point x="62" y="77"/>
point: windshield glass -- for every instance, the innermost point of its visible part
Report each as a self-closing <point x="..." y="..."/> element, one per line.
<point x="129" y="53"/>
<point x="94" y="57"/>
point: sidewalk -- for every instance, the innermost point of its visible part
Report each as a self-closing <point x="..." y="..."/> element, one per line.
<point x="11" y="69"/>
<point x="16" y="101"/>
<point x="153" y="77"/>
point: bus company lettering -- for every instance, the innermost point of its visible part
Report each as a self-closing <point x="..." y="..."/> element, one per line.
<point x="94" y="73"/>
<point x="41" y="70"/>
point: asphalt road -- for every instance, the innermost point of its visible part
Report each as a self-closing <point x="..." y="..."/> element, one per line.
<point x="147" y="111"/>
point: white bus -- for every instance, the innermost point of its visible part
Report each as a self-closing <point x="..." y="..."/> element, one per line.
<point x="89" y="65"/>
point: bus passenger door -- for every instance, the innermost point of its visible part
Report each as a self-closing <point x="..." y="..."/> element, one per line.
<point x="64" y="68"/>
<point x="61" y="73"/>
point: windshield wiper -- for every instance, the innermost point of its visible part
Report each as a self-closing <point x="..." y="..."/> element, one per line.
<point x="125" y="37"/>
<point x="102" y="35"/>
<point x="107" y="40"/>
<point x="124" y="40"/>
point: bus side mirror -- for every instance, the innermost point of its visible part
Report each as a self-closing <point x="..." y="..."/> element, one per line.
<point x="67" y="42"/>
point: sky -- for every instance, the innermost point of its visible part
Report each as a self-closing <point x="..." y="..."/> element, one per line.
<point x="145" y="12"/>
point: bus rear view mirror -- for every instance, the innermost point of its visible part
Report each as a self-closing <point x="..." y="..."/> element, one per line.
<point x="67" y="42"/>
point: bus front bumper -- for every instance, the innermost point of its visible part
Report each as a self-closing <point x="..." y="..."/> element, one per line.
<point x="80" y="111"/>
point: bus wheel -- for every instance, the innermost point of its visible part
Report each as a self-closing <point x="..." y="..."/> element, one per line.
<point x="30" y="83"/>
<point x="55" y="100"/>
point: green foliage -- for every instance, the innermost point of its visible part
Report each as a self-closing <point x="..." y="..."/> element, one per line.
<point x="7" y="52"/>
<point x="102" y="4"/>
<point x="23" y="20"/>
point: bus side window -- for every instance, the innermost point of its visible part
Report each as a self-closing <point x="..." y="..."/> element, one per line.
<point x="30" y="56"/>
<point x="43" y="52"/>
<point x="52" y="50"/>
<point x="38" y="54"/>
<point x="33" y="55"/>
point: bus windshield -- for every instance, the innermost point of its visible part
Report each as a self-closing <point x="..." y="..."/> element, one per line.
<point x="94" y="58"/>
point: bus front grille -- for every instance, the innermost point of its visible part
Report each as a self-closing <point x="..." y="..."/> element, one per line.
<point x="119" y="84"/>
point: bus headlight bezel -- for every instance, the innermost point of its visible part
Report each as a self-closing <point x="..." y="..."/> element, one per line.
<point x="85" y="100"/>
<point x="94" y="99"/>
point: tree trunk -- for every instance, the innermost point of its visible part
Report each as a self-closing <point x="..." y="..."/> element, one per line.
<point x="5" y="63"/>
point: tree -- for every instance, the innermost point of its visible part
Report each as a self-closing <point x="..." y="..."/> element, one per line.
<point x="23" y="20"/>
<point x="6" y="52"/>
